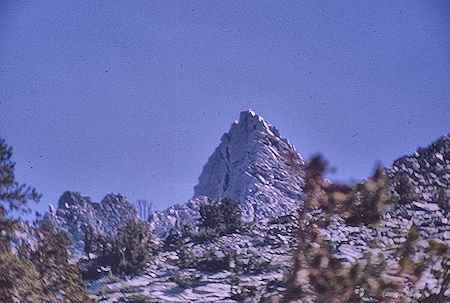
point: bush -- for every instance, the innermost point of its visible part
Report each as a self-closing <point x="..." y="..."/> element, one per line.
<point x="405" y="190"/>
<point x="220" y="218"/>
<point x="183" y="280"/>
<point x="132" y="248"/>
<point x="214" y="261"/>
<point x="255" y="264"/>
<point x="174" y="241"/>
<point x="126" y="254"/>
<point x="364" y="202"/>
<point x="319" y="276"/>
<point x="442" y="199"/>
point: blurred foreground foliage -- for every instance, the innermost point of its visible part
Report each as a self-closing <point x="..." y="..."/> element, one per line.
<point x="38" y="273"/>
<point x="318" y="276"/>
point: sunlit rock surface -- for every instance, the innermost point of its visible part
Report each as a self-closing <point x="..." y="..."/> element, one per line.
<point x="253" y="165"/>
<point x="263" y="248"/>
<point x="76" y="212"/>
<point x="262" y="171"/>
<point x="428" y="170"/>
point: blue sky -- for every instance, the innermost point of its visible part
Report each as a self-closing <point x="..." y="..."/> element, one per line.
<point x="133" y="97"/>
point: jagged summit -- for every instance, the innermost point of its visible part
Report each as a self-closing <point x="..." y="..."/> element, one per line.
<point x="249" y="122"/>
<point x="75" y="212"/>
<point x="255" y="166"/>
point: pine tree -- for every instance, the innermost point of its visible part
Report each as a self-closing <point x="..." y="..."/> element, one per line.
<point x="220" y="218"/>
<point x="40" y="275"/>
<point x="126" y="254"/>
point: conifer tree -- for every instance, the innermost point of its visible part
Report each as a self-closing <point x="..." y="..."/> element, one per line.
<point x="40" y="275"/>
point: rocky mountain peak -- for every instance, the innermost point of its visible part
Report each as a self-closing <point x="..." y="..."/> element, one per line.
<point x="249" y="122"/>
<point x="255" y="166"/>
<point x="256" y="258"/>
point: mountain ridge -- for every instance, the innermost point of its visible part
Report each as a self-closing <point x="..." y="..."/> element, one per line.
<point x="262" y="250"/>
<point x="265" y="175"/>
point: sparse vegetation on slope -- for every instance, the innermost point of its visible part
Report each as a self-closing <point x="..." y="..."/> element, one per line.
<point x="220" y="218"/>
<point x="318" y="275"/>
<point x="127" y="254"/>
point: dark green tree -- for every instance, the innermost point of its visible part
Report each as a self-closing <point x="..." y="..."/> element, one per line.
<point x="220" y="218"/>
<point x="405" y="190"/>
<point x="14" y="197"/>
<point x="126" y="254"/>
<point x="132" y="248"/>
<point x="88" y="239"/>
<point x="40" y="275"/>
<point x="60" y="278"/>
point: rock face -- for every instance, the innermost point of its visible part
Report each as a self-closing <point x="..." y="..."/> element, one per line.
<point x="261" y="251"/>
<point x="427" y="170"/>
<point x="264" y="173"/>
<point x="256" y="167"/>
<point x="253" y="165"/>
<point x="161" y="222"/>
<point x="75" y="212"/>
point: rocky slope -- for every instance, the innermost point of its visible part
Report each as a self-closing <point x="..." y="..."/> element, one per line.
<point x="262" y="171"/>
<point x="75" y="212"/>
<point x="254" y="261"/>
<point x="427" y="170"/>
<point x="262" y="254"/>
<point x="253" y="165"/>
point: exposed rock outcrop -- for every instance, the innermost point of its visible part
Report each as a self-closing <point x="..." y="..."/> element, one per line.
<point x="75" y="212"/>
<point x="264" y="173"/>
<point x="161" y="222"/>
<point x="427" y="171"/>
<point x="253" y="165"/>
<point x="262" y="250"/>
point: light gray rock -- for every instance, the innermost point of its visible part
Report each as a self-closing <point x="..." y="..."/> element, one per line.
<point x="161" y="222"/>
<point x="263" y="248"/>
<point x="76" y="212"/>
<point x="264" y="173"/>
<point x="255" y="166"/>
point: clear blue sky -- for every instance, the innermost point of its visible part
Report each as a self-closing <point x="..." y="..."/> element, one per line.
<point x="132" y="97"/>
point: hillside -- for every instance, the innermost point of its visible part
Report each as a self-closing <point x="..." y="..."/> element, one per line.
<point x="264" y="173"/>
